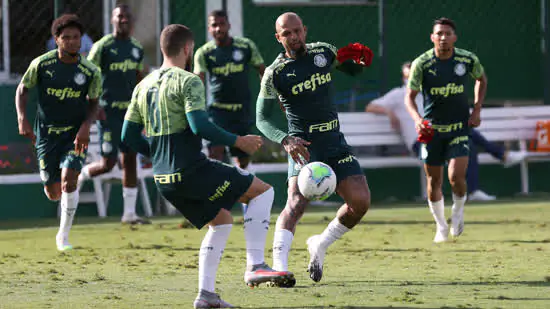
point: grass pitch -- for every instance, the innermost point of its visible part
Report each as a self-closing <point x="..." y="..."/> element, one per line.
<point x="388" y="261"/>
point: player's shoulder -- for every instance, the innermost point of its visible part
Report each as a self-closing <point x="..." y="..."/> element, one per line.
<point x="277" y="65"/>
<point x="424" y="58"/>
<point x="321" y="46"/>
<point x="105" y="40"/>
<point x="206" y="47"/>
<point x="459" y="52"/>
<point x="136" y="43"/>
<point x="89" y="65"/>
<point x="44" y="58"/>
<point x="242" y="41"/>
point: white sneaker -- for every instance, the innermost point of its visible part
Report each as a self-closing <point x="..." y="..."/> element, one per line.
<point x="62" y="242"/>
<point x="316" y="258"/>
<point x="441" y="235"/>
<point x="457" y="223"/>
<point x="514" y="157"/>
<point x="479" y="195"/>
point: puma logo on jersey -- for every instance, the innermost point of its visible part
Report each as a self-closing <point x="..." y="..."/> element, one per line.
<point x="434" y="73"/>
<point x="213" y="58"/>
<point x="50" y="73"/>
<point x="114" y="51"/>
<point x="291" y="74"/>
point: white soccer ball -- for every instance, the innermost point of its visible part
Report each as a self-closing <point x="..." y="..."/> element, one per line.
<point x="316" y="181"/>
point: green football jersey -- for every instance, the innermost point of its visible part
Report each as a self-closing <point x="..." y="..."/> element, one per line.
<point x="119" y="61"/>
<point x="227" y="68"/>
<point x="160" y="103"/>
<point x="304" y="87"/>
<point x="62" y="88"/>
<point x="442" y="83"/>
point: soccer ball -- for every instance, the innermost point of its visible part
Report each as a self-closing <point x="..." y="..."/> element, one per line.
<point x="316" y="181"/>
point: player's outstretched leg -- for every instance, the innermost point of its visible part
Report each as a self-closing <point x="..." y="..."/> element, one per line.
<point x="457" y="178"/>
<point x="434" y="180"/>
<point x="355" y="192"/>
<point x="69" y="203"/>
<point x="259" y="198"/>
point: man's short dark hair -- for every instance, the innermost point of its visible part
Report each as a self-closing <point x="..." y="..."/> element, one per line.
<point x="218" y="13"/>
<point x="173" y="38"/>
<point x="445" y="21"/>
<point x="66" y="21"/>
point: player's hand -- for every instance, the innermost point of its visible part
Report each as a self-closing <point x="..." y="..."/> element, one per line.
<point x="475" y="118"/>
<point x="425" y="131"/>
<point x="25" y="129"/>
<point x="297" y="149"/>
<point x="82" y="139"/>
<point x="101" y="114"/>
<point x="249" y="143"/>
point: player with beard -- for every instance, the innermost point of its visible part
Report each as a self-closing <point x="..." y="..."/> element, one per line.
<point x="441" y="74"/>
<point x="169" y="104"/>
<point x="301" y="79"/>
<point x="120" y="57"/>
<point x="227" y="60"/>
<point x="63" y="80"/>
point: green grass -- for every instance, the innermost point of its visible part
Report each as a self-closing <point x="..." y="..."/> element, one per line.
<point x="388" y="261"/>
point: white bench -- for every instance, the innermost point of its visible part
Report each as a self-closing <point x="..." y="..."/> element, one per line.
<point x="511" y="124"/>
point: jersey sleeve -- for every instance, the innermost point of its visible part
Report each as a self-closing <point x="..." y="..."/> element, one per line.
<point x="477" y="69"/>
<point x="133" y="113"/>
<point x="31" y="75"/>
<point x="256" y="58"/>
<point x="415" y="78"/>
<point x="95" y="53"/>
<point x="193" y="94"/>
<point x="95" y="88"/>
<point x="267" y="87"/>
<point x="199" y="62"/>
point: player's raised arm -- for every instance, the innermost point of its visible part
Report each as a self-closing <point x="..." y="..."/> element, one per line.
<point x="256" y="59"/>
<point x="193" y="96"/>
<point x="133" y="126"/>
<point x="351" y="59"/>
<point x="29" y="80"/>
<point x="267" y="105"/>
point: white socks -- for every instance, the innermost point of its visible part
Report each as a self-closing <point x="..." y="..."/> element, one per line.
<point x="458" y="204"/>
<point x="130" y="197"/>
<point x="256" y="224"/>
<point x="282" y="241"/>
<point x="210" y="255"/>
<point x="332" y="232"/>
<point x="438" y="211"/>
<point x="69" y="203"/>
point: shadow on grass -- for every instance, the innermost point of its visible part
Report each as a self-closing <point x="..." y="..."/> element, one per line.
<point x="354" y="307"/>
<point x="541" y="283"/>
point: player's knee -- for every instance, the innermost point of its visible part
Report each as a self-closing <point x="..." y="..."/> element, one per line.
<point x="53" y="195"/>
<point x="360" y="203"/>
<point x="108" y="164"/>
<point x="434" y="182"/>
<point x="68" y="186"/>
<point x="457" y="180"/>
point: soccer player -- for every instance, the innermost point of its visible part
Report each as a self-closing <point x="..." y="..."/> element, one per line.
<point x="169" y="103"/>
<point x="442" y="74"/>
<point x="391" y="104"/>
<point x="120" y="57"/>
<point x="227" y="60"/>
<point x="63" y="80"/>
<point x="301" y="79"/>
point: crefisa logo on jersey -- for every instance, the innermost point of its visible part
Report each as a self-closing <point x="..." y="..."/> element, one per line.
<point x="135" y="53"/>
<point x="320" y="60"/>
<point x="79" y="79"/>
<point x="460" y="69"/>
<point x="238" y="55"/>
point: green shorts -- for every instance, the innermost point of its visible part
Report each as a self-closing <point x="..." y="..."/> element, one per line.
<point x="443" y="148"/>
<point x="55" y="151"/>
<point x="200" y="194"/>
<point x="234" y="124"/>
<point x="110" y="131"/>
<point x="343" y="165"/>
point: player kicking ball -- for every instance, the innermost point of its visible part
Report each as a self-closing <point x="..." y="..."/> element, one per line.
<point x="169" y="104"/>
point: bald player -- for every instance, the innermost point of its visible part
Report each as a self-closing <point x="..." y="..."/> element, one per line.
<point x="300" y="79"/>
